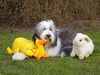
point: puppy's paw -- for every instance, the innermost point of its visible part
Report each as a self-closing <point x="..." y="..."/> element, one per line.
<point x="87" y="55"/>
<point x="81" y="57"/>
<point x="72" y="54"/>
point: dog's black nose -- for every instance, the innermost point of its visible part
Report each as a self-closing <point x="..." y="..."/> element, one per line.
<point x="48" y="35"/>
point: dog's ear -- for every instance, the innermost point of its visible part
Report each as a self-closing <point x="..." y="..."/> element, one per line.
<point x="55" y="43"/>
<point x="51" y="22"/>
<point x="34" y="36"/>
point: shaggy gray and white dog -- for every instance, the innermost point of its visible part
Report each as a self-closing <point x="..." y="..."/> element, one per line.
<point x="59" y="40"/>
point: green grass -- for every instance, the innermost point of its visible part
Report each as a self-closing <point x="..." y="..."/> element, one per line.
<point x="50" y="66"/>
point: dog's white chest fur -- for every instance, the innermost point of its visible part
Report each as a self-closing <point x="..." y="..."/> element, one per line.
<point x="54" y="51"/>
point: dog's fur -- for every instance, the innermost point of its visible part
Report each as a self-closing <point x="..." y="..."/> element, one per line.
<point x="82" y="46"/>
<point x="59" y="41"/>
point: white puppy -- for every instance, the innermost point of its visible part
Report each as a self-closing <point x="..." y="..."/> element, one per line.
<point x="82" y="46"/>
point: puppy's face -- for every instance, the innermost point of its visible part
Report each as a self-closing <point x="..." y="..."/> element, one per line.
<point x="46" y="30"/>
<point x="80" y="40"/>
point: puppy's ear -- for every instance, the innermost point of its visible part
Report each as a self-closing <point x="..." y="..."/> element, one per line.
<point x="87" y="38"/>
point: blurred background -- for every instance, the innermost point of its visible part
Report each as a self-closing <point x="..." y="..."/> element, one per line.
<point x="78" y="15"/>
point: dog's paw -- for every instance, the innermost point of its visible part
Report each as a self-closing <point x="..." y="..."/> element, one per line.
<point x="62" y="54"/>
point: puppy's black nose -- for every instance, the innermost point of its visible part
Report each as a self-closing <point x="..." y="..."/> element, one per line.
<point x="48" y="35"/>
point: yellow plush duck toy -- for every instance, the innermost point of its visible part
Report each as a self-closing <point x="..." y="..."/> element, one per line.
<point x="28" y="47"/>
<point x="39" y="52"/>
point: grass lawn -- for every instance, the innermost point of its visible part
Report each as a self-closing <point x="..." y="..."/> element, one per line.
<point x="50" y="66"/>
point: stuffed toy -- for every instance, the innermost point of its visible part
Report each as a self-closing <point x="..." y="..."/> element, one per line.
<point x="39" y="52"/>
<point x="23" y="45"/>
<point x="28" y="47"/>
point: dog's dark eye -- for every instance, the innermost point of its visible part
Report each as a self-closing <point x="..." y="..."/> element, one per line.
<point x="80" y="40"/>
<point x="44" y="29"/>
<point x="51" y="29"/>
